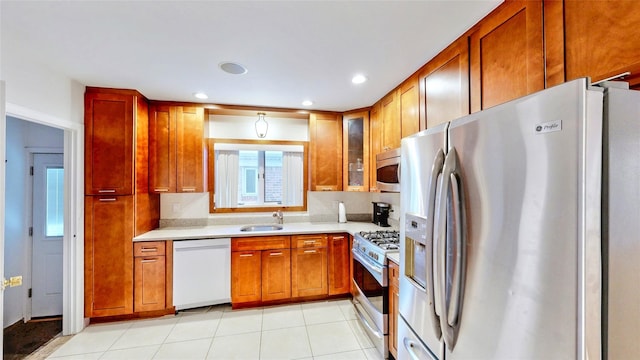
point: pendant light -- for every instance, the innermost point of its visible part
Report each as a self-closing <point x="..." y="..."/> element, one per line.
<point x="261" y="126"/>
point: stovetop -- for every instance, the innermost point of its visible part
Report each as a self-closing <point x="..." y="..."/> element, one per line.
<point x="384" y="239"/>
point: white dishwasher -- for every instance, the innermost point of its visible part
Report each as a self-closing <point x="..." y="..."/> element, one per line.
<point x="201" y="272"/>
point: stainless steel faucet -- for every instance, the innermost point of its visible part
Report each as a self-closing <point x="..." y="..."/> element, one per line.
<point x="279" y="216"/>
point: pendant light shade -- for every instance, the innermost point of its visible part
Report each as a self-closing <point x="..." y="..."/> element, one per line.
<point x="261" y="126"/>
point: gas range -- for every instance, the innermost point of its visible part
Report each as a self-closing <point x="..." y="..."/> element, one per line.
<point x="375" y="245"/>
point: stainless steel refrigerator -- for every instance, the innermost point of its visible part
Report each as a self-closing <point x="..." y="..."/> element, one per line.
<point x="520" y="230"/>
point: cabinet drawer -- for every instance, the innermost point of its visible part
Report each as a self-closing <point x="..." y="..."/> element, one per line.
<point x="260" y="243"/>
<point x="149" y="248"/>
<point x="316" y="240"/>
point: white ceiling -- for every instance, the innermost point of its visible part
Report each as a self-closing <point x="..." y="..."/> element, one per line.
<point x="294" y="50"/>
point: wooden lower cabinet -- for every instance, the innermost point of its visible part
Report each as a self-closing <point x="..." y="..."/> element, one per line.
<point x="394" y="294"/>
<point x="108" y="277"/>
<point x="309" y="267"/>
<point x="149" y="276"/>
<point x="284" y="268"/>
<point x="276" y="274"/>
<point x="246" y="276"/>
<point x="339" y="261"/>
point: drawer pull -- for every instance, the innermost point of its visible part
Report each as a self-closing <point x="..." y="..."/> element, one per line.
<point x="149" y="260"/>
<point x="161" y="190"/>
<point x="311" y="242"/>
<point x="149" y="249"/>
<point x="107" y="199"/>
<point x="106" y="191"/>
<point x="246" y="255"/>
<point x="188" y="189"/>
<point x="275" y="254"/>
<point x="309" y="251"/>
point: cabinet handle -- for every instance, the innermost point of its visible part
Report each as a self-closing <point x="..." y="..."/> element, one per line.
<point x="311" y="242"/>
<point x="107" y="199"/>
<point x="338" y="237"/>
<point x="148" y="260"/>
<point x="309" y="251"/>
<point x="246" y="255"/>
<point x="188" y="189"/>
<point x="106" y="191"/>
<point x="275" y="254"/>
<point x="161" y="190"/>
<point x="148" y="249"/>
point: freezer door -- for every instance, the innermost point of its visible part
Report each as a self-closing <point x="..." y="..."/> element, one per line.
<point x="523" y="175"/>
<point x="422" y="160"/>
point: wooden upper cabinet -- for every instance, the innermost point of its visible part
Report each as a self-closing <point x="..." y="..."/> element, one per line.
<point x="409" y="93"/>
<point x="325" y="132"/>
<point x="375" y="143"/>
<point x="601" y="39"/>
<point x="176" y="148"/>
<point x="109" y="142"/>
<point x="391" y="127"/>
<point x="356" y="151"/>
<point x="444" y="87"/>
<point x="507" y="54"/>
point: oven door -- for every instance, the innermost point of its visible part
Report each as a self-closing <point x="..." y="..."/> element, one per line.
<point x="370" y="300"/>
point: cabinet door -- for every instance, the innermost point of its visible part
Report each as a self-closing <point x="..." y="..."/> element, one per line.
<point x="444" y="92"/>
<point x="109" y="145"/>
<point x="309" y="272"/>
<point x="507" y="54"/>
<point x="375" y="143"/>
<point x="391" y="128"/>
<point x="276" y="274"/>
<point x="409" y="106"/>
<point x="607" y="49"/>
<point x="190" y="149"/>
<point x="339" y="279"/>
<point x="246" y="276"/>
<point x="325" y="132"/>
<point x="162" y="149"/>
<point x="394" y="295"/>
<point x="150" y="285"/>
<point x="356" y="151"/>
<point x="108" y="255"/>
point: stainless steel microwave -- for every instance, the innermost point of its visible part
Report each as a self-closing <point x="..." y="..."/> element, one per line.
<point x="388" y="171"/>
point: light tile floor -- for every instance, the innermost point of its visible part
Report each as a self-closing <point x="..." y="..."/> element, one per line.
<point x="316" y="330"/>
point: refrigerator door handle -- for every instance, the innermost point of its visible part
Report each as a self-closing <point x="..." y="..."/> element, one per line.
<point x="457" y="200"/>
<point x="436" y="170"/>
<point x="451" y="285"/>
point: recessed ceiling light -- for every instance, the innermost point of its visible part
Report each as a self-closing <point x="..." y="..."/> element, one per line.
<point x="358" y="79"/>
<point x="307" y="103"/>
<point x="200" y="95"/>
<point x="233" y="68"/>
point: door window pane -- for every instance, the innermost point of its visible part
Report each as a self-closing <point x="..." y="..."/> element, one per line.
<point x="54" y="214"/>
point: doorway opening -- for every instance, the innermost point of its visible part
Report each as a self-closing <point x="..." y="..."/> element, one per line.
<point x="34" y="233"/>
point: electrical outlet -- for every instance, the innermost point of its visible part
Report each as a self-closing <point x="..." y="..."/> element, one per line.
<point x="15" y="281"/>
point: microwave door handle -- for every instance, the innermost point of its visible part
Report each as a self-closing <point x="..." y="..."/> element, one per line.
<point x="433" y="193"/>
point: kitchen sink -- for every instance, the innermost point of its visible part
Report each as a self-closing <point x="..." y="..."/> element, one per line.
<point x="261" y="227"/>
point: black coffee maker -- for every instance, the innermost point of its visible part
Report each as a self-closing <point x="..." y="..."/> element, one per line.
<point x="381" y="212"/>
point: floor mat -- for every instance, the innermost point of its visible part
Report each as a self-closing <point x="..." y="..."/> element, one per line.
<point x="21" y="339"/>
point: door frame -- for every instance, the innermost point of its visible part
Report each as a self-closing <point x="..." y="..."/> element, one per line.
<point x="28" y="254"/>
<point x="73" y="320"/>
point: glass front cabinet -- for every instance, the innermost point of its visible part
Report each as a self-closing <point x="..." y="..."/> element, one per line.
<point x="355" y="136"/>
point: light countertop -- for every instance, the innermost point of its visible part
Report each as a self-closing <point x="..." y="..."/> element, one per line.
<point x="223" y="231"/>
<point x="395" y="257"/>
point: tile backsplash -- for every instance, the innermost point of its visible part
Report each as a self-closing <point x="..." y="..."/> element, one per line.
<point x="322" y="206"/>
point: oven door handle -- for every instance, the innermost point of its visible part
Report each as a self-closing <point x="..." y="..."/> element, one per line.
<point x="366" y="263"/>
<point x="363" y="320"/>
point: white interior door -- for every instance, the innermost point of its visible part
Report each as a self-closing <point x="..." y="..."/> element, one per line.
<point x="48" y="231"/>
